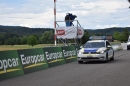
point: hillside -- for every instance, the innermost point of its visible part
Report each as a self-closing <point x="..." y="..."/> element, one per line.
<point x="107" y="31"/>
<point x="22" y="30"/>
<point x="28" y="31"/>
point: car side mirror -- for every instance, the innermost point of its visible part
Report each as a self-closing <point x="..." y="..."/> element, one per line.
<point x="109" y="46"/>
<point x="81" y="46"/>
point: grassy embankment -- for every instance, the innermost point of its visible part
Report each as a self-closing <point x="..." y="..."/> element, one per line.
<point x="19" y="47"/>
<point x="115" y="43"/>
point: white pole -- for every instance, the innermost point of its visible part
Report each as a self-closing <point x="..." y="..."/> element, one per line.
<point x="55" y="21"/>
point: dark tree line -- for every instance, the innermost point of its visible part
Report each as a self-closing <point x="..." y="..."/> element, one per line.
<point x="45" y="38"/>
<point x="107" y="31"/>
<point x="21" y="31"/>
<point x="16" y="35"/>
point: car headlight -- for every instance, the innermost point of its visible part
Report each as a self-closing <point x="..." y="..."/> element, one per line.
<point x="100" y="52"/>
<point x="80" y="52"/>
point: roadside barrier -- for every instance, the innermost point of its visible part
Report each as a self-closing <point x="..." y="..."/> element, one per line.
<point x="10" y="65"/>
<point x="117" y="47"/>
<point x="32" y="60"/>
<point x="18" y="62"/>
<point x="124" y="46"/>
<point x="69" y="53"/>
<point x="54" y="56"/>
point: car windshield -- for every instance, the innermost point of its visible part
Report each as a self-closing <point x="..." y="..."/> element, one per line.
<point x="128" y="40"/>
<point x="94" y="44"/>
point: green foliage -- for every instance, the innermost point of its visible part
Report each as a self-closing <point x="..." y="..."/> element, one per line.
<point x="85" y="37"/>
<point x="10" y="41"/>
<point x="22" y="30"/>
<point x="38" y="37"/>
<point x="17" y="40"/>
<point x="106" y="31"/>
<point x="12" y="35"/>
<point x="116" y="35"/>
<point x="2" y="39"/>
<point x="32" y="40"/>
<point x="47" y="37"/>
<point x="0" y="43"/>
<point x="24" y="40"/>
<point x="125" y="35"/>
<point x="122" y="36"/>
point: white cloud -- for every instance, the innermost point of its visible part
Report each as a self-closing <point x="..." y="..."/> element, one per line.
<point x="28" y="19"/>
<point x="107" y="26"/>
<point x="92" y="14"/>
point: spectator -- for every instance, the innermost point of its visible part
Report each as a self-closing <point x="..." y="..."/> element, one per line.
<point x="72" y="17"/>
<point x="67" y="19"/>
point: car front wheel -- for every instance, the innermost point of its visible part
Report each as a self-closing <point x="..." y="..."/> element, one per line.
<point x="106" y="60"/>
<point x="112" y="57"/>
<point x="127" y="48"/>
<point x="80" y="62"/>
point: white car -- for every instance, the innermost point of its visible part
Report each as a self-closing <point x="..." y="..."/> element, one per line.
<point x="99" y="50"/>
<point x="128" y="44"/>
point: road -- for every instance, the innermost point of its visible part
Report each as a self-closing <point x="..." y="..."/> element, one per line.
<point x="113" y="73"/>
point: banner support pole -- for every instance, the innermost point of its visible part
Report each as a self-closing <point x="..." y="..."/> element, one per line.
<point x="55" y="35"/>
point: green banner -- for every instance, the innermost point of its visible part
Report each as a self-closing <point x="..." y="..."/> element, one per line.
<point x="77" y="48"/>
<point x="54" y="56"/>
<point x="69" y="53"/>
<point x="32" y="60"/>
<point x="10" y="65"/>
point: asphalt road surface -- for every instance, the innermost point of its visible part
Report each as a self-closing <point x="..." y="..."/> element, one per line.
<point x="113" y="73"/>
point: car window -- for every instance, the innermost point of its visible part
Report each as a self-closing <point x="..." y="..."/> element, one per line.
<point x="94" y="44"/>
<point x="128" y="40"/>
<point x="107" y="43"/>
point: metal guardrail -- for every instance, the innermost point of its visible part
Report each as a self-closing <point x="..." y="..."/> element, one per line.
<point x="78" y="24"/>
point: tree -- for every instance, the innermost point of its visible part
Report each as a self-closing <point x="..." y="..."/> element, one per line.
<point x="2" y="39"/>
<point x="32" y="40"/>
<point x="10" y="41"/>
<point x="116" y="35"/>
<point x="125" y="35"/>
<point x="16" y="40"/>
<point x="121" y="37"/>
<point x="24" y="40"/>
<point x="47" y="37"/>
<point x="37" y="36"/>
<point x="85" y="37"/>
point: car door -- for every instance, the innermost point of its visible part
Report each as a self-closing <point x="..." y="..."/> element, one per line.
<point x="110" y="50"/>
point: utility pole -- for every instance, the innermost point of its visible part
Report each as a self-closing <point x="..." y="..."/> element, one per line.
<point x="129" y="2"/>
<point x="55" y="35"/>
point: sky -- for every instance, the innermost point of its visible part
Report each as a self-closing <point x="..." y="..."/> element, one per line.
<point x="91" y="14"/>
